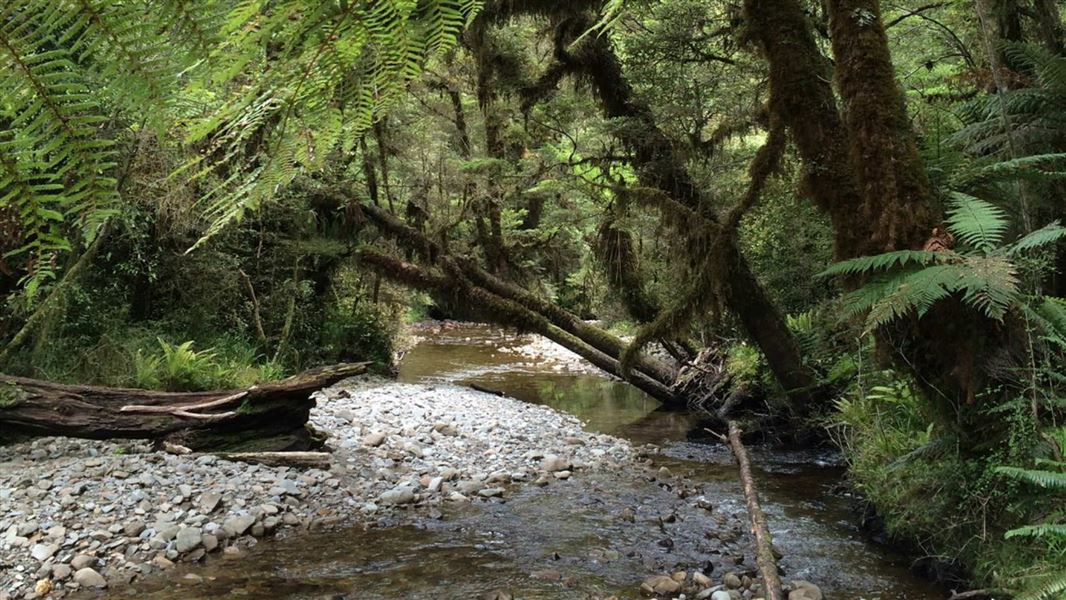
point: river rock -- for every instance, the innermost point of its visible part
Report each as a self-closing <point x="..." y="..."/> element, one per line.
<point x="188" y="539"/>
<point x="553" y="463"/>
<point x="82" y="561"/>
<point x="732" y="581"/>
<point x="42" y="552"/>
<point x="61" y="571"/>
<point x="374" y="439"/>
<point x="404" y="494"/>
<point x="236" y="526"/>
<point x="660" y="585"/>
<point x="89" y="578"/>
<point x="491" y="492"/>
<point x="209" y="502"/>
<point x="804" y="590"/>
<point x="701" y="580"/>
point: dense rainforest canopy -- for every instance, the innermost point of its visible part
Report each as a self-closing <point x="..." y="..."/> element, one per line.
<point x="836" y="220"/>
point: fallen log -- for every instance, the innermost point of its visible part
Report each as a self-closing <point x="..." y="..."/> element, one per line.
<point x="268" y="417"/>
<point x="764" y="553"/>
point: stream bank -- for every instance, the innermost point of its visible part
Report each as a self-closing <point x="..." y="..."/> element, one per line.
<point x="596" y="534"/>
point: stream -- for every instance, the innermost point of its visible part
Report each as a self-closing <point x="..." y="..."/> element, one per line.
<point x="569" y="537"/>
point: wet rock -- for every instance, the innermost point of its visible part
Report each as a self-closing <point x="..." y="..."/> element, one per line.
<point x="89" y="578"/>
<point x="701" y="580"/>
<point x="491" y="492"/>
<point x="732" y="581"/>
<point x="547" y="575"/>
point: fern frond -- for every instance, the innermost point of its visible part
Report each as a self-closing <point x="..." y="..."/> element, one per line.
<point x="1047" y="589"/>
<point x="1048" y="234"/>
<point x="1044" y="479"/>
<point x="989" y="284"/>
<point x="865" y="265"/>
<point x="56" y="166"/>
<point x="977" y="222"/>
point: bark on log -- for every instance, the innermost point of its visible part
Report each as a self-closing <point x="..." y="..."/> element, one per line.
<point x="261" y="418"/>
<point x="764" y="554"/>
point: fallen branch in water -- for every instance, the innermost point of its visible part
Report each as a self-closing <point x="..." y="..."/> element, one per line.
<point x="764" y="553"/>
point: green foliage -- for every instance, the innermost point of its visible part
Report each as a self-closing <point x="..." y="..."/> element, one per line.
<point x="181" y="368"/>
<point x="268" y="89"/>
<point x="985" y="277"/>
<point x="1050" y="476"/>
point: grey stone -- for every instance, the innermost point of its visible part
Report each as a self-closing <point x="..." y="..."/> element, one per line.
<point x="235" y="526"/>
<point x="403" y="494"/>
<point x="81" y="561"/>
<point x="188" y="538"/>
<point x="42" y="552"/>
<point x="89" y="578"/>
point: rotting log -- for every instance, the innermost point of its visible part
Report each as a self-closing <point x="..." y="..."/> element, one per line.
<point x="268" y="417"/>
<point x="764" y="552"/>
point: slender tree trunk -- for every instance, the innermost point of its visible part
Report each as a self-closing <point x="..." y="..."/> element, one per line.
<point x="381" y="135"/>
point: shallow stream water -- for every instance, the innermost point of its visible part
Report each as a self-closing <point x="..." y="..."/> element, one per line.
<point x="572" y="528"/>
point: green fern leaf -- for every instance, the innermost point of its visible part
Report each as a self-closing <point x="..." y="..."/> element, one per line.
<point x="864" y="265"/>
<point x="977" y="222"/>
<point x="1044" y="479"/>
<point x="1049" y="234"/>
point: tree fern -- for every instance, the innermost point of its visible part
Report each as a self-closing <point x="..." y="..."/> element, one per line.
<point x="909" y="282"/>
<point x="345" y="65"/>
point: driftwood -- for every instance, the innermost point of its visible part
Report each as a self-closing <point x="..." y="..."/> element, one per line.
<point x="304" y="460"/>
<point x="764" y="553"/>
<point x="268" y="417"/>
